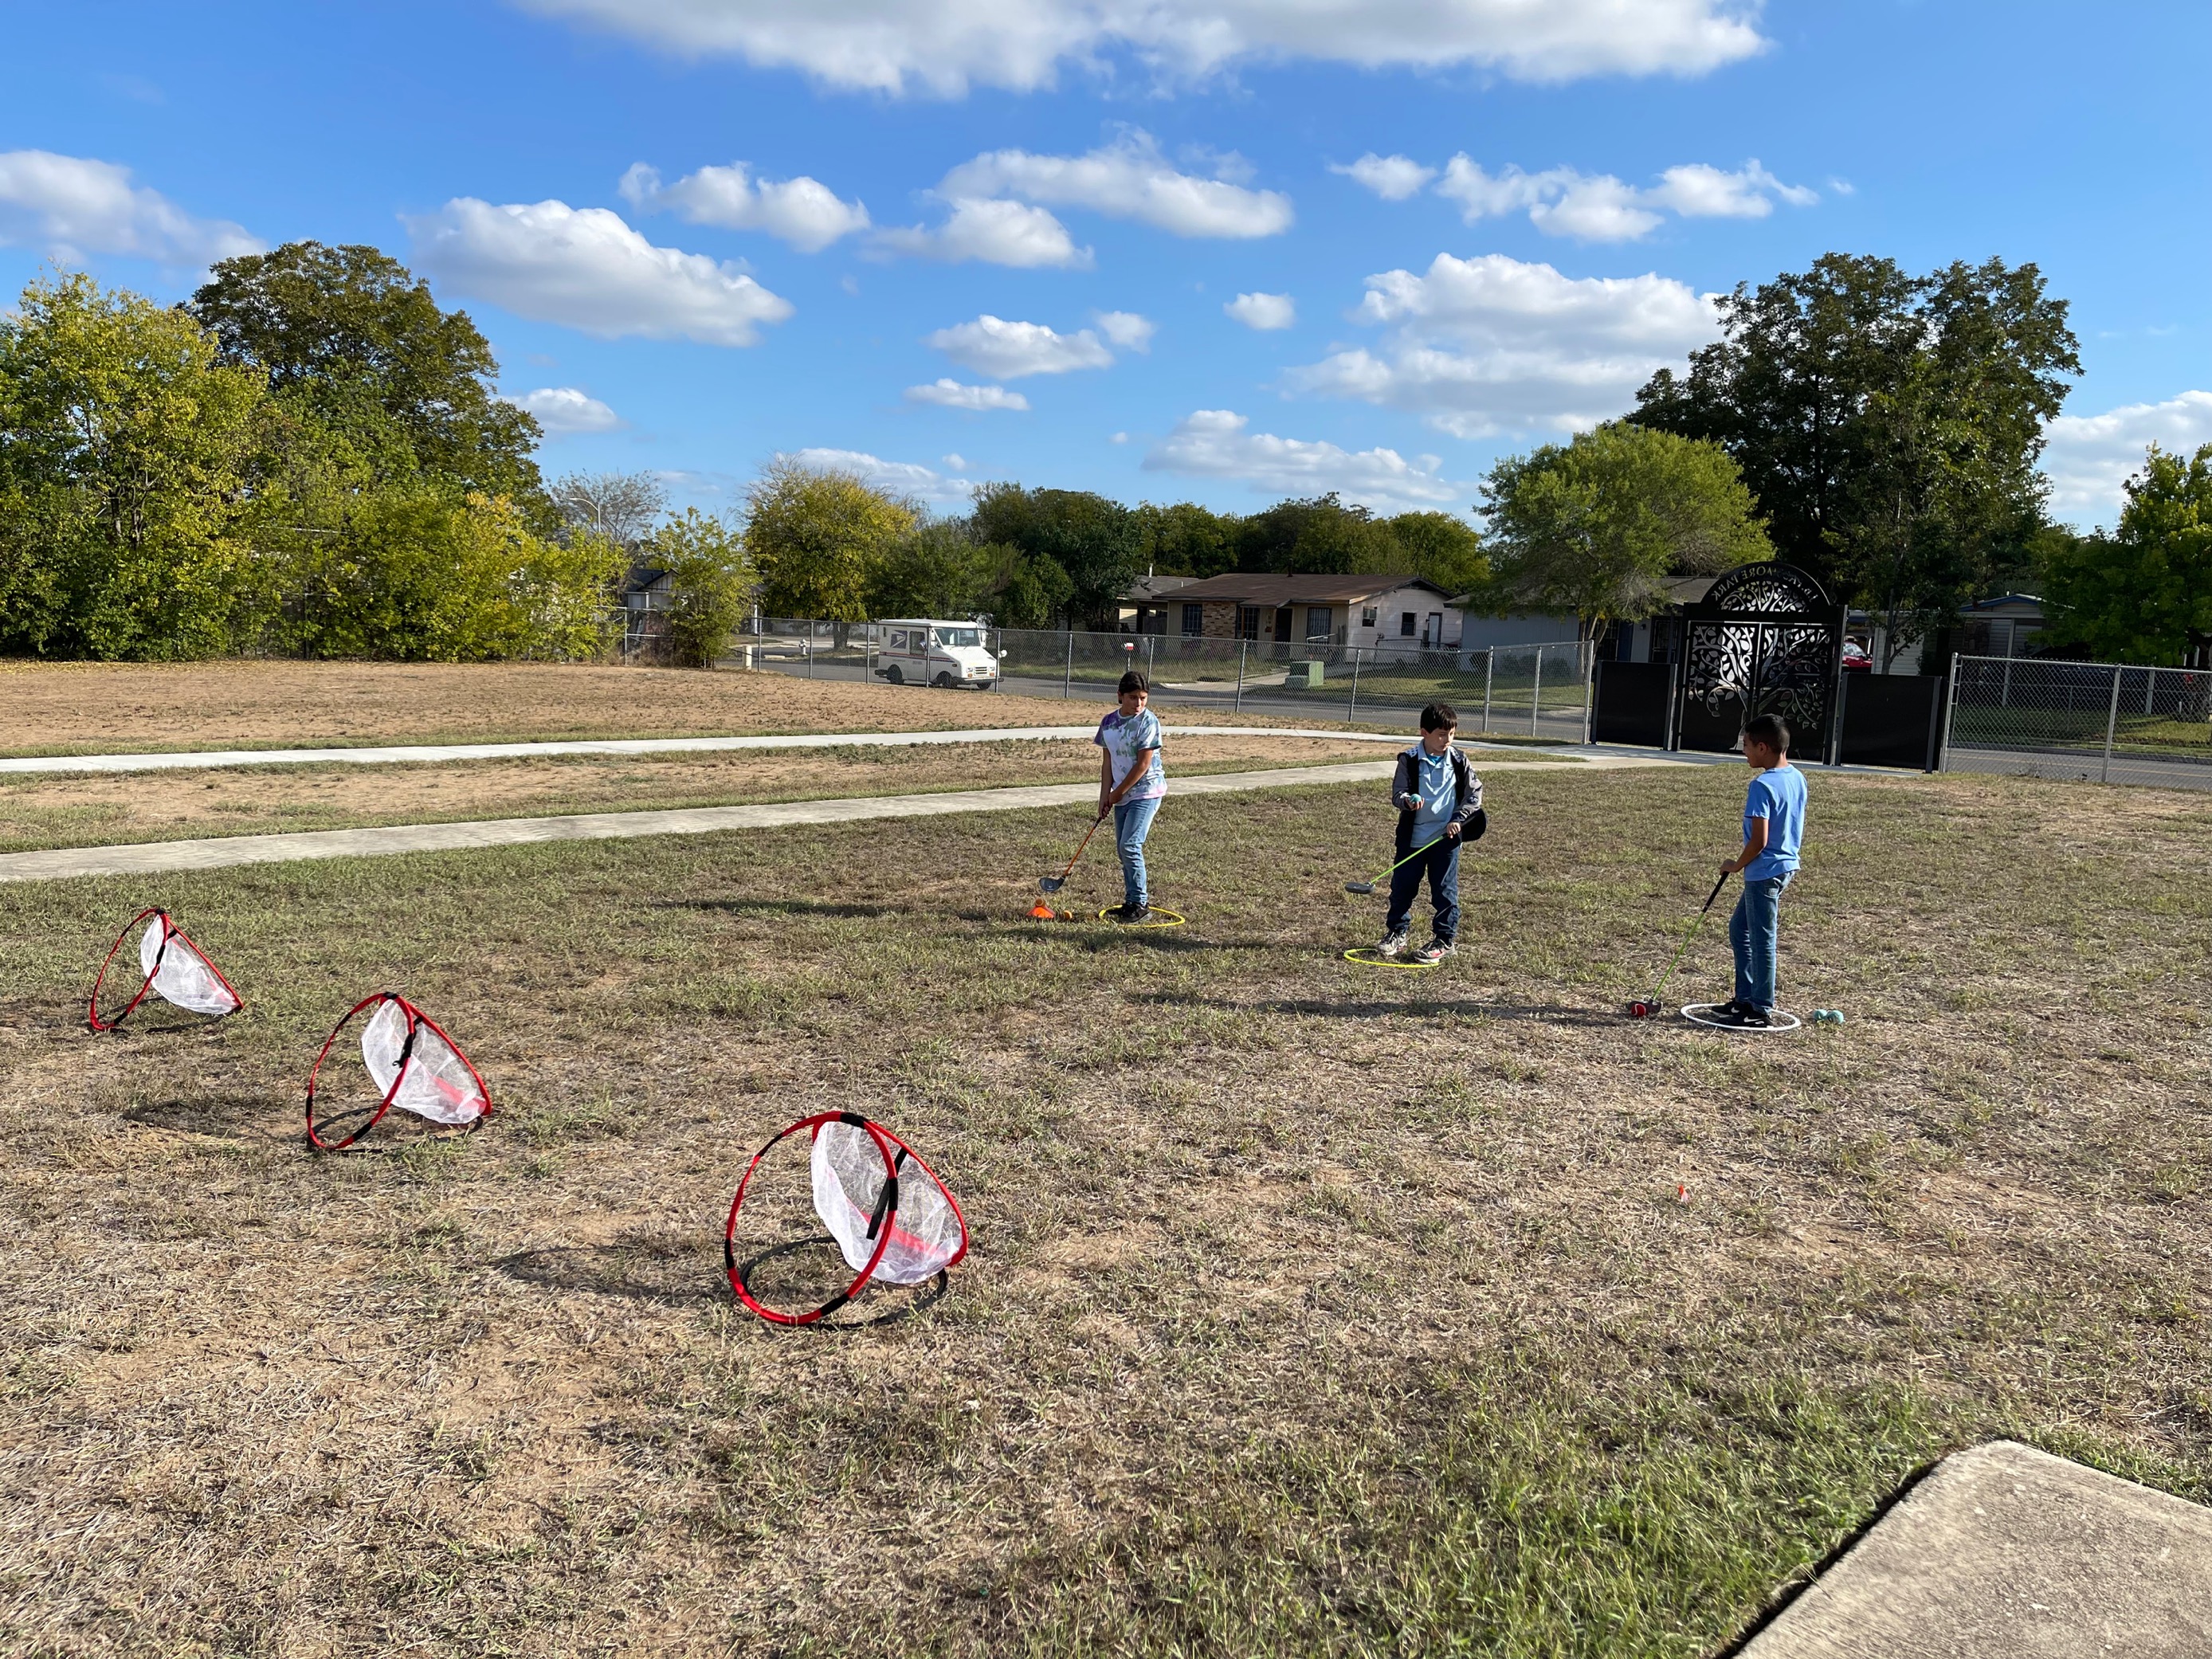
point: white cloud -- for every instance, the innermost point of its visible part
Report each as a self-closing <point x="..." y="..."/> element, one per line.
<point x="900" y="477"/>
<point x="1393" y="177"/>
<point x="1214" y="443"/>
<point x="69" y="207"/>
<point x="996" y="233"/>
<point x="1492" y="344"/>
<point x="585" y="268"/>
<point x="1600" y="207"/>
<point x="563" y="410"/>
<point x="1263" y="311"/>
<point x="1127" y="329"/>
<point x="949" y="393"/>
<point x="1006" y="351"/>
<point x="2089" y="458"/>
<point x="802" y="211"/>
<point x="943" y="47"/>
<point x="1128" y="179"/>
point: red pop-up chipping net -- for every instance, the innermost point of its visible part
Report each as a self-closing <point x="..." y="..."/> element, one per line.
<point x="892" y="1219"/>
<point x="173" y="968"/>
<point x="411" y="1063"/>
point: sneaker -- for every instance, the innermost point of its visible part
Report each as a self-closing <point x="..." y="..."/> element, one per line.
<point x="1435" y="950"/>
<point x="1393" y="945"/>
<point x="1131" y="916"/>
<point x="1737" y="1016"/>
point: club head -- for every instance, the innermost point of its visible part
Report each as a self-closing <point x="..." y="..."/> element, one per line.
<point x="1639" y="1010"/>
<point x="1359" y="887"/>
<point x="1051" y="884"/>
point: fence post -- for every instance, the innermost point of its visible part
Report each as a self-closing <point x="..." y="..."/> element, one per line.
<point x="1489" y="671"/>
<point x="1590" y="689"/>
<point x="2111" y="720"/>
<point x="1152" y="656"/>
<point x="1836" y="726"/>
<point x="1352" y="713"/>
<point x="1536" y="692"/>
<point x="810" y="651"/>
<point x="1242" y="646"/>
<point x="1670" y="735"/>
<point x="999" y="660"/>
<point x="1068" y="678"/>
<point x="1950" y="715"/>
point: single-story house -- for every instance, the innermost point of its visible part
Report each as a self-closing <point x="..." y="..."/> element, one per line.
<point x="1363" y="611"/>
<point x="648" y="593"/>
<point x="1144" y="607"/>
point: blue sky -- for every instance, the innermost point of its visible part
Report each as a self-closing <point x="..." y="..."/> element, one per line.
<point x="1025" y="226"/>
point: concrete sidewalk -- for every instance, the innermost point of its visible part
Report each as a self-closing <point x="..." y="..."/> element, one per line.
<point x="2004" y="1552"/>
<point x="153" y="858"/>
<point x="420" y="753"/>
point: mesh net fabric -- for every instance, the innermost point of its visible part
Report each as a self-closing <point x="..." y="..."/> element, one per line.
<point x="184" y="976"/>
<point x="848" y="1182"/>
<point x="437" y="1085"/>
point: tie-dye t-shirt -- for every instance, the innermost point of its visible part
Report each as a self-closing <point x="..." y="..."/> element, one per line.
<point x="1124" y="740"/>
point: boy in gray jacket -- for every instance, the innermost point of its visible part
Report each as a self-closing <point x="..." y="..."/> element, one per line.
<point x="1439" y="802"/>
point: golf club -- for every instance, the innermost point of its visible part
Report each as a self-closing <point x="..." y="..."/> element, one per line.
<point x="1644" y="1008"/>
<point x="1472" y="829"/>
<point x="1053" y="884"/>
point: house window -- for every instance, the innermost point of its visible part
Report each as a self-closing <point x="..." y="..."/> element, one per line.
<point x="1319" y="618"/>
<point x="1367" y="616"/>
<point x="1248" y="621"/>
<point x="1194" y="620"/>
<point x="1408" y="624"/>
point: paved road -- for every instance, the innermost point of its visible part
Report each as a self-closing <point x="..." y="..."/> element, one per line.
<point x="2080" y="766"/>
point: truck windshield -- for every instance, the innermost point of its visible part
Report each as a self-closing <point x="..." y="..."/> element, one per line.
<point x="960" y="636"/>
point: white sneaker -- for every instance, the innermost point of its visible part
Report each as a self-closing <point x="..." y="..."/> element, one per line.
<point x="1393" y="945"/>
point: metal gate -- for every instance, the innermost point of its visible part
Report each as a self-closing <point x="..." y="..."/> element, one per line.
<point x="1765" y="640"/>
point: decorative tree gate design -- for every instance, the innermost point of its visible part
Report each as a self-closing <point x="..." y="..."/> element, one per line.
<point x="1765" y="640"/>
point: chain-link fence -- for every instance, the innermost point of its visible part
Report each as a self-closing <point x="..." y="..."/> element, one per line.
<point x="2108" y="722"/>
<point x="1531" y="691"/>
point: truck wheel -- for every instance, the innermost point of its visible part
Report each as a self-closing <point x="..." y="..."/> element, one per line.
<point x="943" y="682"/>
<point x="893" y="675"/>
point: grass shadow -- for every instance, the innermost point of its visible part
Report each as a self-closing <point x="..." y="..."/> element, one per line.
<point x="908" y="1300"/>
<point x="629" y="1272"/>
<point x="231" y="1117"/>
<point x="1369" y="1007"/>
<point x="782" y="907"/>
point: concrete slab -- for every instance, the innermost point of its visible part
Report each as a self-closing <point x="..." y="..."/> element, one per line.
<point x="2004" y="1552"/>
<point x="225" y="852"/>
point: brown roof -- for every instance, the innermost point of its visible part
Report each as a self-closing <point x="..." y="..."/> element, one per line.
<point x="1259" y="588"/>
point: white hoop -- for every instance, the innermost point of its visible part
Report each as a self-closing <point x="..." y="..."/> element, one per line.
<point x="1777" y="1019"/>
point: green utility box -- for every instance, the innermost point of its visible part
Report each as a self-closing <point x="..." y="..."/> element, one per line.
<point x="1304" y="677"/>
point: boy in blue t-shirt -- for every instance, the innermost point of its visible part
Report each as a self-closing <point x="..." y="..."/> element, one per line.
<point x="1132" y="783"/>
<point x="1439" y="802"/>
<point x="1773" y="828"/>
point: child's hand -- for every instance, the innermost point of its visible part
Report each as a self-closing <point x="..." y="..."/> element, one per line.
<point x="1411" y="803"/>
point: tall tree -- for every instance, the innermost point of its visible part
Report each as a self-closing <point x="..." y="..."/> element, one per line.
<point x="1185" y="539"/>
<point x="348" y="337"/>
<point x="1322" y="536"/>
<point x="1096" y="544"/>
<point x="2143" y="593"/>
<point x="935" y="570"/>
<point x="123" y="447"/>
<point x="1888" y="424"/>
<point x="1597" y="526"/>
<point x="1441" y="548"/>
<point x="815" y="536"/>
<point x="711" y="584"/>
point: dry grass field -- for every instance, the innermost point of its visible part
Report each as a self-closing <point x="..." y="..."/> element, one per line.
<point x="83" y="709"/>
<point x="1311" y="1311"/>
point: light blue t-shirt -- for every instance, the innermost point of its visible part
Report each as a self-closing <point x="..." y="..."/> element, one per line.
<point x="1778" y="797"/>
<point x="1123" y="741"/>
<point x="1437" y="785"/>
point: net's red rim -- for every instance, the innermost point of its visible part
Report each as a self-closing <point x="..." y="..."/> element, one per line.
<point x="170" y="932"/>
<point x="416" y="1021"/>
<point x="884" y="1140"/>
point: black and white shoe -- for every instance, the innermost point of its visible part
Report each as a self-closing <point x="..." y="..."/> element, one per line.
<point x="1741" y="1018"/>
<point x="1393" y="945"/>
<point x="1131" y="916"/>
<point x="1435" y="950"/>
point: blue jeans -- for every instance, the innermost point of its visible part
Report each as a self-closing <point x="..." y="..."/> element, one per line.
<point x="1753" y="931"/>
<point x="1132" y="822"/>
<point x="1440" y="864"/>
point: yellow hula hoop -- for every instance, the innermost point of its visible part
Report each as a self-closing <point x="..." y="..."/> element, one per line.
<point x="1365" y="957"/>
<point x="1175" y="919"/>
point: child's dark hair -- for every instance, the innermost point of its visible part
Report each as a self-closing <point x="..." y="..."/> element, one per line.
<point x="1771" y="730"/>
<point x="1133" y="681"/>
<point x="1439" y="717"/>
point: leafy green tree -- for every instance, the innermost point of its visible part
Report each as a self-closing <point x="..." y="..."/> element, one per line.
<point x="711" y="584"/>
<point x="359" y="348"/>
<point x="123" y="451"/>
<point x="2143" y="593"/>
<point x="1323" y="536"/>
<point x="935" y="570"/>
<point x="1097" y="545"/>
<point x="816" y="536"/>
<point x="1185" y="539"/>
<point x="1025" y="590"/>
<point x="1888" y="424"/>
<point x="1597" y="526"/>
<point x="1441" y="548"/>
